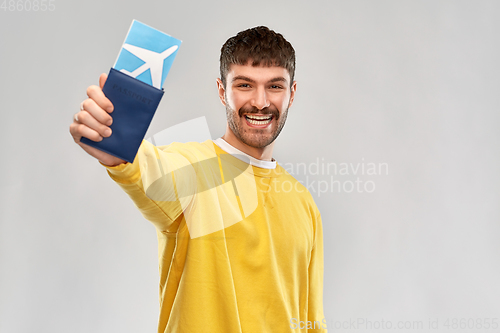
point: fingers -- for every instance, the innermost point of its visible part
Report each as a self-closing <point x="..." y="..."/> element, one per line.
<point x="95" y="93"/>
<point x="93" y="120"/>
<point x="90" y="127"/>
<point x="103" y="157"/>
<point x="96" y="111"/>
<point x="102" y="80"/>
<point x="79" y="130"/>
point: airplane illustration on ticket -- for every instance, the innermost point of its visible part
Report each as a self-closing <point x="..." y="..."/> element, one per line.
<point x="147" y="54"/>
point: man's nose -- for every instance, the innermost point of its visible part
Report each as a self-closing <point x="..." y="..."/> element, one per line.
<point x="259" y="99"/>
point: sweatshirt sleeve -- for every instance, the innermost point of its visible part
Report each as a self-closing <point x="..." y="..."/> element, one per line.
<point x="151" y="186"/>
<point x="315" y="302"/>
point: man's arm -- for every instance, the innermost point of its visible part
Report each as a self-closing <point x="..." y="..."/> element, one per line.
<point x="132" y="178"/>
<point x="316" y="268"/>
<point x="93" y="122"/>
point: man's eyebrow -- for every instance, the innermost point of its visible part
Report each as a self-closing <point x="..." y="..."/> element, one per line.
<point x="278" y="79"/>
<point x="246" y="78"/>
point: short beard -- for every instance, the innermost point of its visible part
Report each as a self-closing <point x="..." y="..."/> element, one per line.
<point x="233" y="120"/>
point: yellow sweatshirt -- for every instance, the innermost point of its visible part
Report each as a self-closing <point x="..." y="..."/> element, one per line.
<point x="240" y="247"/>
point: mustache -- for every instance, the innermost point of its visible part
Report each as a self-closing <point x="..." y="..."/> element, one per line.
<point x="270" y="110"/>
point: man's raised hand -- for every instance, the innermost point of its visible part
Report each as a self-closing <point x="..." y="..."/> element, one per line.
<point x="92" y="122"/>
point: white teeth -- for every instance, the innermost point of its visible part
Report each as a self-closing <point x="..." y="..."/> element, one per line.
<point x="256" y="117"/>
<point x="259" y="120"/>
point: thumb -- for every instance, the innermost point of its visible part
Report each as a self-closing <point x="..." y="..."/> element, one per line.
<point x="102" y="79"/>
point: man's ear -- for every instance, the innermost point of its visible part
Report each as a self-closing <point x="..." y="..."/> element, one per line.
<point x="293" y="89"/>
<point x="222" y="91"/>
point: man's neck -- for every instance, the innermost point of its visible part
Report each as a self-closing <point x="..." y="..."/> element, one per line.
<point x="264" y="154"/>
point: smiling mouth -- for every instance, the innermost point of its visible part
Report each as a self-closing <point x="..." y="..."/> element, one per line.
<point x="259" y="119"/>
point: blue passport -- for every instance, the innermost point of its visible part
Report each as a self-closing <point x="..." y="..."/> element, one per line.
<point x="135" y="104"/>
<point x="136" y="93"/>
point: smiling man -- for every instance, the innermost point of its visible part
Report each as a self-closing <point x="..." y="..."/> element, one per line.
<point x="240" y="240"/>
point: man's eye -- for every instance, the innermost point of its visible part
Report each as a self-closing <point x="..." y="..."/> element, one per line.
<point x="274" y="86"/>
<point x="244" y="85"/>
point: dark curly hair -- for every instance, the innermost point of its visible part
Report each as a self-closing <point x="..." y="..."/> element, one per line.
<point x="261" y="45"/>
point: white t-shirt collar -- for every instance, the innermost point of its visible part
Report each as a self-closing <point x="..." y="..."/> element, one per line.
<point x="245" y="158"/>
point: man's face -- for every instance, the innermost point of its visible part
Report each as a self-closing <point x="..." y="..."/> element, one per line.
<point x="257" y="101"/>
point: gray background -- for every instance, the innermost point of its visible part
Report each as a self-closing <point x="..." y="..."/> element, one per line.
<point x="413" y="84"/>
